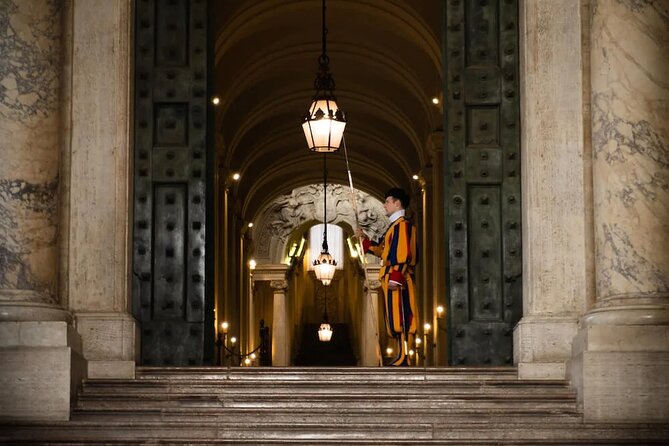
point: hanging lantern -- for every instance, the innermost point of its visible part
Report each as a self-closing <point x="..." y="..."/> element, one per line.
<point x="324" y="123"/>
<point x="324" y="267"/>
<point x="325" y="332"/>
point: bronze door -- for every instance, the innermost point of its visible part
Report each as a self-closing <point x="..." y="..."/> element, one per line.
<point x="482" y="168"/>
<point x="171" y="182"/>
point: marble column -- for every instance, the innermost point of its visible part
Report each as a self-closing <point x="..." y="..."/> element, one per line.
<point x="556" y="216"/>
<point x="621" y="353"/>
<point x="40" y="352"/>
<point x="280" y="325"/>
<point x="370" y="347"/>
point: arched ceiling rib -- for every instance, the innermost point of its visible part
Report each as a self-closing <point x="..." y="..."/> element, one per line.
<point x="385" y="59"/>
<point x="253" y="17"/>
<point x="253" y="134"/>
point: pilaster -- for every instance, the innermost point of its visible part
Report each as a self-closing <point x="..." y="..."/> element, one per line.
<point x="557" y="259"/>
<point x="280" y="327"/>
<point x="96" y="166"/>
<point x="370" y="348"/>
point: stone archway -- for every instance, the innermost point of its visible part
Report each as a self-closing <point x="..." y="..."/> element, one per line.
<point x="284" y="214"/>
<point x="275" y="227"/>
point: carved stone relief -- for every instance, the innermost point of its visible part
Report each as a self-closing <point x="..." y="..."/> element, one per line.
<point x="305" y="204"/>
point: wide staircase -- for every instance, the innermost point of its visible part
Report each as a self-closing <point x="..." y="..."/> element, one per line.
<point x="206" y="405"/>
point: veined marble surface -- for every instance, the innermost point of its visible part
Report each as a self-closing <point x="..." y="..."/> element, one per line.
<point x="630" y="113"/>
<point x="29" y="143"/>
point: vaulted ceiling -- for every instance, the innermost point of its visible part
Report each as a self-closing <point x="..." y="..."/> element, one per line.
<point x="385" y="57"/>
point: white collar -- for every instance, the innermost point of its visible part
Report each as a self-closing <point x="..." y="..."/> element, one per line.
<point x="395" y="215"/>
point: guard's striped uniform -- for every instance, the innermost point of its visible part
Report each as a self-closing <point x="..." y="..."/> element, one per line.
<point x="399" y="255"/>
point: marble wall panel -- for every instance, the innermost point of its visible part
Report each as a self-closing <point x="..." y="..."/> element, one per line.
<point x="630" y="113"/>
<point x="29" y="145"/>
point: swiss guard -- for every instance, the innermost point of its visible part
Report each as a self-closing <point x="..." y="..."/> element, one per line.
<point x="399" y="255"/>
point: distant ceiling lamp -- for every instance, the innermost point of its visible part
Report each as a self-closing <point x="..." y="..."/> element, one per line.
<point x="324" y="123"/>
<point x="325" y="331"/>
<point x="325" y="265"/>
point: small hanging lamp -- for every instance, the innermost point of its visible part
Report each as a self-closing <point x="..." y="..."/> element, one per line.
<point x="325" y="331"/>
<point x="324" y="123"/>
<point x="325" y="265"/>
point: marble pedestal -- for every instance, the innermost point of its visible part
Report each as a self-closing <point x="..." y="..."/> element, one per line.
<point x="542" y="346"/>
<point x="41" y="368"/>
<point x="620" y="365"/>
<point x="108" y="342"/>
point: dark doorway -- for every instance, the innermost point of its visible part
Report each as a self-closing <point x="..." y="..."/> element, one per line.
<point x="336" y="352"/>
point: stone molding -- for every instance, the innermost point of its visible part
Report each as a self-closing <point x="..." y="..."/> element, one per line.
<point x="627" y="315"/>
<point x="32" y="311"/>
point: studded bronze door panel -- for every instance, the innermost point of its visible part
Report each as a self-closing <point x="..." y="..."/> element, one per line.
<point x="170" y="182"/>
<point x="482" y="179"/>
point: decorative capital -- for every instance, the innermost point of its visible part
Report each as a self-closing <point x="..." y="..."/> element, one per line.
<point x="372" y="285"/>
<point x="279" y="285"/>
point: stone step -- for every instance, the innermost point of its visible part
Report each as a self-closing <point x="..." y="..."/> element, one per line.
<point x="330" y="373"/>
<point x="213" y="405"/>
<point x="357" y="433"/>
<point x="308" y="388"/>
<point x="332" y="402"/>
<point x="355" y="382"/>
<point x="318" y="395"/>
<point x="287" y="415"/>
